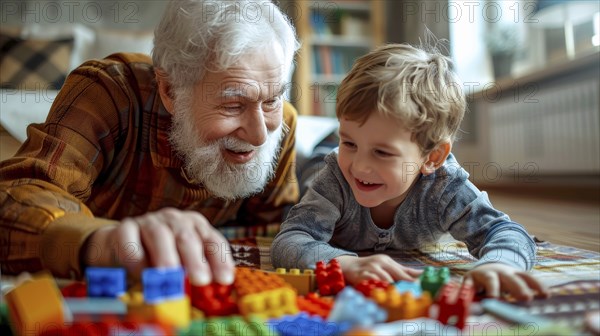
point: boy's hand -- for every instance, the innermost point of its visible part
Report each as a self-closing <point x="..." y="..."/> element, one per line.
<point x="165" y="238"/>
<point x="377" y="267"/>
<point x="497" y="278"/>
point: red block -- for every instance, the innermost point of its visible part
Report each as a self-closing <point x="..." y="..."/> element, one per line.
<point x="455" y="302"/>
<point x="214" y="299"/>
<point x="366" y="286"/>
<point x="330" y="278"/>
<point x="74" y="289"/>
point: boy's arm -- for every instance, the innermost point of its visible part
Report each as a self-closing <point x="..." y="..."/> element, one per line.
<point x="490" y="235"/>
<point x="304" y="236"/>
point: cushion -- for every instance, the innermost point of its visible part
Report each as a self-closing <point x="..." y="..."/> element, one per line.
<point x="82" y="35"/>
<point x="109" y="41"/>
<point x="34" y="64"/>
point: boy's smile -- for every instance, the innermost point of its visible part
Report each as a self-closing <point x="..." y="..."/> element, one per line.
<point x="379" y="160"/>
<point x="367" y="186"/>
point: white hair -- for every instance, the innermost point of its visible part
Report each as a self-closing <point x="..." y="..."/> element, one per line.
<point x="199" y="35"/>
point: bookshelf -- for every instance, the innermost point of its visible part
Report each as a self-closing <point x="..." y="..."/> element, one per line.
<point x="333" y="34"/>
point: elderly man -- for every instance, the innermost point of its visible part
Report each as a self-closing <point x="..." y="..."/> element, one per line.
<point x="140" y="158"/>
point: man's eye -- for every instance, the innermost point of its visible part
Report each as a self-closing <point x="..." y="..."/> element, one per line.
<point x="232" y="107"/>
<point x="271" y="104"/>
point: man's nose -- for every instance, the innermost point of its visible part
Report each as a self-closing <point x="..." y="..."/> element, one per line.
<point x="254" y="129"/>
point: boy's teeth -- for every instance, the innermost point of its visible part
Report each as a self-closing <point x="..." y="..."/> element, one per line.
<point x="364" y="182"/>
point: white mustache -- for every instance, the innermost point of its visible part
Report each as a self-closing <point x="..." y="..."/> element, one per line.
<point x="237" y="145"/>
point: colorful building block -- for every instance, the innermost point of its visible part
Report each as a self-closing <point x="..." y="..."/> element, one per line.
<point x="409" y="286"/>
<point x="433" y="279"/>
<point x="314" y="304"/>
<point x="303" y="324"/>
<point x="330" y="278"/>
<point x="36" y="305"/>
<point x="230" y="326"/>
<point x="163" y="284"/>
<point x="353" y="307"/>
<point x="272" y="303"/>
<point x="96" y="308"/>
<point x="5" y="328"/>
<point x="251" y="281"/>
<point x="105" y="282"/>
<point x="366" y="286"/>
<point x="304" y="282"/>
<point x="401" y="306"/>
<point x="454" y="302"/>
<point x="75" y="289"/>
<point x="108" y="328"/>
<point x="167" y="312"/>
<point x="214" y="299"/>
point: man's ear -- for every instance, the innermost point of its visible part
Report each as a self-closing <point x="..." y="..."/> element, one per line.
<point x="436" y="158"/>
<point x="164" y="89"/>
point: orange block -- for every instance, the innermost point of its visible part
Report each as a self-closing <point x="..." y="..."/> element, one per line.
<point x="401" y="306"/>
<point x="251" y="281"/>
<point x="35" y="306"/>
<point x="314" y="304"/>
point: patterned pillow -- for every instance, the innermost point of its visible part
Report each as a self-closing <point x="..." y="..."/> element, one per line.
<point x="33" y="64"/>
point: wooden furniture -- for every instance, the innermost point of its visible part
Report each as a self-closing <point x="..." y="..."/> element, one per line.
<point x="333" y="34"/>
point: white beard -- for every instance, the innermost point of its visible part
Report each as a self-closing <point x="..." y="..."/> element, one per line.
<point x="204" y="162"/>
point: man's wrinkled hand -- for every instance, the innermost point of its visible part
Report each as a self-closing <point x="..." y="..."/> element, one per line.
<point x="165" y="238"/>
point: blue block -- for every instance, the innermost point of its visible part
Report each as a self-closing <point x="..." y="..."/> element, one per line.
<point x="105" y="282"/>
<point x="161" y="284"/>
<point x="409" y="286"/>
<point x="303" y="324"/>
<point x="352" y="307"/>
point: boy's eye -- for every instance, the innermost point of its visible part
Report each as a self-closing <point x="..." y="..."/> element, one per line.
<point x="348" y="144"/>
<point x="382" y="153"/>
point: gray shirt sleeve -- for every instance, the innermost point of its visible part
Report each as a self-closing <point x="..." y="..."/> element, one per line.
<point x="490" y="235"/>
<point x="310" y="225"/>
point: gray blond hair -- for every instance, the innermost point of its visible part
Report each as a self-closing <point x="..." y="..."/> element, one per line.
<point x="199" y="35"/>
<point x="412" y="85"/>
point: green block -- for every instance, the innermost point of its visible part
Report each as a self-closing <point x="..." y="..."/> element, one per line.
<point x="229" y="326"/>
<point x="432" y="279"/>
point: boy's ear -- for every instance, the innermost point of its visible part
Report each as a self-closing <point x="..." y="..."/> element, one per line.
<point x="164" y="89"/>
<point x="436" y="158"/>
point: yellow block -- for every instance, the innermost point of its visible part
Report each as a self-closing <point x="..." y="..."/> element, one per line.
<point x="271" y="303"/>
<point x="175" y="313"/>
<point x="35" y="306"/>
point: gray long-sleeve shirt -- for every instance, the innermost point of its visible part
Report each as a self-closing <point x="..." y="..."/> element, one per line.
<point x="329" y="222"/>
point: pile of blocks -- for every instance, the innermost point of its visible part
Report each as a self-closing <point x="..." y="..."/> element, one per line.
<point x="257" y="303"/>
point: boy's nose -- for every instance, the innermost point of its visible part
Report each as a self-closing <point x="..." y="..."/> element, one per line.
<point x="361" y="165"/>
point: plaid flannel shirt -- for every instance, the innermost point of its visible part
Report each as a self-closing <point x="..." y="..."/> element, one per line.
<point x="103" y="154"/>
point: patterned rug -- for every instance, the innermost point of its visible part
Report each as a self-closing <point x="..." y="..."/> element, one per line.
<point x="555" y="264"/>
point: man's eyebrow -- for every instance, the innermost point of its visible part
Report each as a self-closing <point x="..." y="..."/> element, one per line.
<point x="233" y="92"/>
<point x="229" y="92"/>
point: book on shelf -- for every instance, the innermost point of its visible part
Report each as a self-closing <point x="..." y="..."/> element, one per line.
<point x="331" y="62"/>
<point x="324" y="97"/>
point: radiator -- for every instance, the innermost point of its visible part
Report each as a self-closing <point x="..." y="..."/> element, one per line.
<point x="553" y="130"/>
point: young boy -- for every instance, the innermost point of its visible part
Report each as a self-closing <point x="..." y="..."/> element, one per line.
<point x="393" y="183"/>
